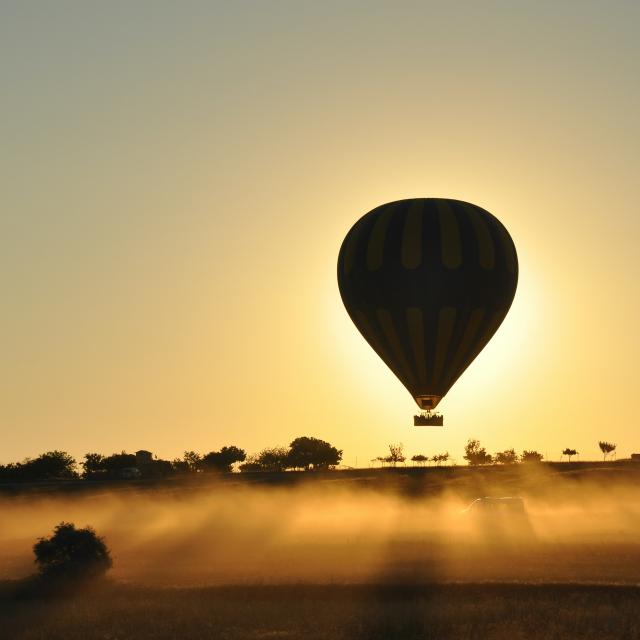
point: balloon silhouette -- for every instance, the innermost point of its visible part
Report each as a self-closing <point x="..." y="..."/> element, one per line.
<point x="427" y="282"/>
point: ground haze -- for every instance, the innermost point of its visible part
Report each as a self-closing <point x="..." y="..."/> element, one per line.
<point x="364" y="554"/>
<point x="581" y="525"/>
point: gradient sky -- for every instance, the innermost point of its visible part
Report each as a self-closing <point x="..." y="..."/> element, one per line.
<point x="177" y="179"/>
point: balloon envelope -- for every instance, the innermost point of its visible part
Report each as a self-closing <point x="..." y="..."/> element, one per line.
<point x="427" y="282"/>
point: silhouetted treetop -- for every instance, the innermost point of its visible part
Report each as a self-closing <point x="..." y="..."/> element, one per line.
<point x="531" y="456"/>
<point x="606" y="448"/>
<point x="508" y="456"/>
<point x="223" y="460"/>
<point x="439" y="458"/>
<point x="52" y="465"/>
<point x="396" y="454"/>
<point x="193" y="460"/>
<point x="306" y="452"/>
<point x="475" y="454"/>
<point x="117" y="461"/>
<point x="93" y="463"/>
<point x="274" y="459"/>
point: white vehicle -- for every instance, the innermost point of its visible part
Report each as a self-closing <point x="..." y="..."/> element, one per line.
<point x="130" y="473"/>
<point x="489" y="506"/>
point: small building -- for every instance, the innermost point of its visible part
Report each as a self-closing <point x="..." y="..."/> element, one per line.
<point x="635" y="457"/>
<point x="143" y="457"/>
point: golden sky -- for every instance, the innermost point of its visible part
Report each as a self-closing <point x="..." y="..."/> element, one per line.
<point x="178" y="177"/>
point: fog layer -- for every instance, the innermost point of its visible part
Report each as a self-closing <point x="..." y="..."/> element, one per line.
<point x="574" y="529"/>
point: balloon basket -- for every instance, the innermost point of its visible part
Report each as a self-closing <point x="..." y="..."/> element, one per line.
<point x="428" y="419"/>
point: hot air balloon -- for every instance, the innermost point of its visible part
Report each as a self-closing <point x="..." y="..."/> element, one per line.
<point x="427" y="282"/>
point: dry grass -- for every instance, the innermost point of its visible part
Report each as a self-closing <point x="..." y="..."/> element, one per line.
<point x="489" y="611"/>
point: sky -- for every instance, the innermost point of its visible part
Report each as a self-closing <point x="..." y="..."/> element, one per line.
<point x="177" y="179"/>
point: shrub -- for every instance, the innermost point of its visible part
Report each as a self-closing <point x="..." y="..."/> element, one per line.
<point x="72" y="554"/>
<point x="508" y="456"/>
<point x="531" y="456"/>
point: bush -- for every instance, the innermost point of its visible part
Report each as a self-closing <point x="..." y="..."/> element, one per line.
<point x="531" y="456"/>
<point x="508" y="456"/>
<point x="72" y="554"/>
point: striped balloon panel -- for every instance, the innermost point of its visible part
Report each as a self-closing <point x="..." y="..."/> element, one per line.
<point x="427" y="282"/>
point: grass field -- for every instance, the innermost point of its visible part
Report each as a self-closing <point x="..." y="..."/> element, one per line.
<point x="469" y="611"/>
<point x="362" y="555"/>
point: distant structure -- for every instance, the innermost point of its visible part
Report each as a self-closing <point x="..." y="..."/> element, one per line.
<point x="635" y="457"/>
<point x="143" y="457"/>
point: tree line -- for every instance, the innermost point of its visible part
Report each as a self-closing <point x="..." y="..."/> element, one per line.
<point x="303" y="453"/>
<point x="396" y="456"/>
<point x="475" y="454"/>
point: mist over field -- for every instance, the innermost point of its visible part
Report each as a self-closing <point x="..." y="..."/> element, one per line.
<point x="381" y="528"/>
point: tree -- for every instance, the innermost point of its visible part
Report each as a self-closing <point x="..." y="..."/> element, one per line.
<point x="52" y="465"/>
<point x="531" y="456"/>
<point x="117" y="461"/>
<point x="476" y="455"/>
<point x="273" y="459"/>
<point x="158" y="469"/>
<point x="395" y="454"/>
<point x="569" y="453"/>
<point x="18" y="472"/>
<point x="178" y="465"/>
<point x="508" y="456"/>
<point x="420" y="459"/>
<point x="250" y="464"/>
<point x="193" y="460"/>
<point x="306" y="452"/>
<point x="440" y="458"/>
<point x="224" y="459"/>
<point x="606" y="448"/>
<point x="10" y="472"/>
<point x="72" y="553"/>
<point x="93" y="463"/>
